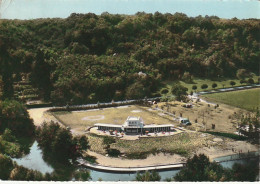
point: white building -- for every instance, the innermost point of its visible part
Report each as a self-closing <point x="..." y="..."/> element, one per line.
<point x="135" y="125"/>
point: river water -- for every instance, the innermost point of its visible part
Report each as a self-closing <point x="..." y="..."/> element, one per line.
<point x="34" y="160"/>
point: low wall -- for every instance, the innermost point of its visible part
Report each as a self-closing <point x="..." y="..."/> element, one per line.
<point x="100" y="105"/>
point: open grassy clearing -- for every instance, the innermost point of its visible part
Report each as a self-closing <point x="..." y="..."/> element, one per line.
<point x="198" y="82"/>
<point x="115" y="115"/>
<point x="246" y="99"/>
<point x="220" y="116"/>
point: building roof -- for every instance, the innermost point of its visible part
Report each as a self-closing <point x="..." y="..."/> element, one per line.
<point x="158" y="126"/>
<point x="108" y="125"/>
<point x="133" y="118"/>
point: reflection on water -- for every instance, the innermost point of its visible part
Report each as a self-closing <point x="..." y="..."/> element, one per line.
<point x="105" y="176"/>
<point x="34" y="160"/>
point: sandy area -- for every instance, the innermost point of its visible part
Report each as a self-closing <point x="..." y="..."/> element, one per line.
<point x="151" y="160"/>
<point x="37" y="115"/>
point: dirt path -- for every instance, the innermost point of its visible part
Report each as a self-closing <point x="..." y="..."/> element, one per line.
<point x="37" y="115"/>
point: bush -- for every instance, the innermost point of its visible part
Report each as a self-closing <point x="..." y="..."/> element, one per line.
<point x="148" y="176"/>
<point x="204" y="86"/>
<point x="250" y="81"/>
<point x="194" y="87"/>
<point x="214" y="85"/>
<point x="232" y="83"/>
<point x="164" y="91"/>
<point x="107" y="140"/>
<point x="113" y="152"/>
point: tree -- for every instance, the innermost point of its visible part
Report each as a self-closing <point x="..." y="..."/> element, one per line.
<point x="6" y="166"/>
<point x="249" y="125"/>
<point x="204" y="86"/>
<point x="199" y="168"/>
<point x="245" y="172"/>
<point x="8" y="136"/>
<point x="16" y="118"/>
<point x="242" y="74"/>
<point x="58" y="142"/>
<point x="136" y="91"/>
<point x="179" y="91"/>
<point x="232" y="83"/>
<point x="82" y="175"/>
<point x="250" y="81"/>
<point x="22" y="173"/>
<point x="148" y="176"/>
<point x="194" y="87"/>
<point x="214" y="85"/>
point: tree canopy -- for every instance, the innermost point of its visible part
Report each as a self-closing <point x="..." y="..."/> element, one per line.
<point x="74" y="60"/>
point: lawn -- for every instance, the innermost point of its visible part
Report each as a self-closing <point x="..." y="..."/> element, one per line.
<point x="198" y="82"/>
<point x="245" y="99"/>
<point x="114" y="115"/>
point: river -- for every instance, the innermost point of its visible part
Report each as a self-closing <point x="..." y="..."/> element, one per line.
<point x="34" y="160"/>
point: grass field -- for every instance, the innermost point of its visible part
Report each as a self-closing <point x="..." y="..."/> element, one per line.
<point x="245" y="99"/>
<point x="115" y="115"/>
<point x="199" y="82"/>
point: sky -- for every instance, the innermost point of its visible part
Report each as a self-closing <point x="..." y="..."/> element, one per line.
<point x="31" y="9"/>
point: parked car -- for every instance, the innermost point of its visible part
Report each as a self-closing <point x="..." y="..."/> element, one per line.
<point x="185" y="121"/>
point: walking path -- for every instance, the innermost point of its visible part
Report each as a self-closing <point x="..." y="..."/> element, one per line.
<point x="130" y="169"/>
<point x="226" y="89"/>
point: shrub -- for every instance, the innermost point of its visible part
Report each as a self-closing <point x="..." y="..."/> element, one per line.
<point x="214" y="85"/>
<point x="107" y="140"/>
<point x="250" y="81"/>
<point x="194" y="87"/>
<point x="232" y="83"/>
<point x="113" y="152"/>
<point x="204" y="86"/>
<point x="148" y="176"/>
<point x="164" y="91"/>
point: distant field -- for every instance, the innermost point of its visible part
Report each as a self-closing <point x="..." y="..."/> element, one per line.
<point x="115" y="115"/>
<point x="199" y="82"/>
<point x="245" y="99"/>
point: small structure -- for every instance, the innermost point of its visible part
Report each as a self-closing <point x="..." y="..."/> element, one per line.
<point x="185" y="121"/>
<point x="135" y="126"/>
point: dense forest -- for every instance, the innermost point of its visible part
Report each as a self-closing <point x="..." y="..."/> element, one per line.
<point x="88" y="58"/>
